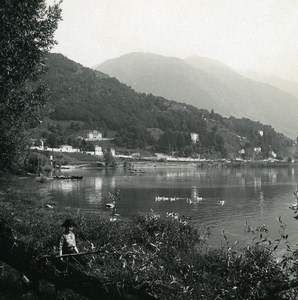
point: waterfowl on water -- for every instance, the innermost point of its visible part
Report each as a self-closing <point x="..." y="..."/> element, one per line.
<point x="189" y="201"/>
<point x="110" y="205"/>
<point x="222" y="202"/>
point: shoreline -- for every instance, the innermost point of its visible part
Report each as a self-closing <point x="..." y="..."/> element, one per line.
<point x="202" y="163"/>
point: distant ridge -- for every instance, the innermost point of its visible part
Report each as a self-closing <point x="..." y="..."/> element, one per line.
<point x="286" y="85"/>
<point x="208" y="84"/>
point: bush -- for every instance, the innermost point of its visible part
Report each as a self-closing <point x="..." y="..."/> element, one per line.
<point x="36" y="163"/>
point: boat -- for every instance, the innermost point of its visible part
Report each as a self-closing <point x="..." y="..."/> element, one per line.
<point x="159" y="198"/>
<point x="71" y="177"/>
<point x="133" y="171"/>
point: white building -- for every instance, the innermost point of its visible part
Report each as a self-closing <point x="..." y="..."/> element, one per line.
<point x="194" y="137"/>
<point x="273" y="154"/>
<point x="94" y="135"/>
<point x="66" y="148"/>
<point x="98" y="151"/>
<point x="261" y="132"/>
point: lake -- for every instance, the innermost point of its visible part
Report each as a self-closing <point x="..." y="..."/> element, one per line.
<point x="255" y="195"/>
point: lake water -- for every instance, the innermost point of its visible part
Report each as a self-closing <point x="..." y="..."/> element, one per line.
<point x="255" y="195"/>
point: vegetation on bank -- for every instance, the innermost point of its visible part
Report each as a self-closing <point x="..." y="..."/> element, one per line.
<point x="143" y="257"/>
<point x="27" y="33"/>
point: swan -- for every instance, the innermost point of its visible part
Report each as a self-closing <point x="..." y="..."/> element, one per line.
<point x="222" y="202"/>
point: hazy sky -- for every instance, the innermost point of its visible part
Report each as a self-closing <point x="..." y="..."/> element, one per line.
<point x="260" y="35"/>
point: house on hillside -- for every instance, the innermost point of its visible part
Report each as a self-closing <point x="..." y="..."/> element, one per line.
<point x="257" y="149"/>
<point x="272" y="154"/>
<point x="94" y="135"/>
<point x="194" y="137"/>
<point x="90" y="135"/>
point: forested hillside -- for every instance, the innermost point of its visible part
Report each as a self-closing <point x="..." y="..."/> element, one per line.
<point x="81" y="98"/>
<point x="207" y="84"/>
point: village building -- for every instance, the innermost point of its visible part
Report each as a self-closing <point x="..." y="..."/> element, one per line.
<point x="66" y="148"/>
<point x="194" y="137"/>
<point x="257" y="149"/>
<point x="98" y="151"/>
<point x="113" y="152"/>
<point x="242" y="151"/>
<point x="94" y="135"/>
<point x="273" y="154"/>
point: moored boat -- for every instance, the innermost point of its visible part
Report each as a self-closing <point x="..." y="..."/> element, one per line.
<point x="71" y="177"/>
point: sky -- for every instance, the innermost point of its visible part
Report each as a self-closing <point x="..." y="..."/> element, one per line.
<point x="258" y="35"/>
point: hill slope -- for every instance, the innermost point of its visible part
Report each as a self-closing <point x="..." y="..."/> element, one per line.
<point x="206" y="84"/>
<point x="83" y="98"/>
<point x="288" y="86"/>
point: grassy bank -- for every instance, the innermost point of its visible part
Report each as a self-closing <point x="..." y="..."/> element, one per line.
<point x="139" y="257"/>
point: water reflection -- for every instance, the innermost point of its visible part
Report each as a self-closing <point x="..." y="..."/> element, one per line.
<point x="257" y="183"/>
<point x="96" y="196"/>
<point x="252" y="194"/>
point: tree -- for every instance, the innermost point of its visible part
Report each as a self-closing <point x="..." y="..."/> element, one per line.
<point x="27" y="29"/>
<point x="109" y="159"/>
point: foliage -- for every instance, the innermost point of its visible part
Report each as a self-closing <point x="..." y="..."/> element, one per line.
<point x="36" y="162"/>
<point x="109" y="159"/>
<point x="164" y="256"/>
<point x="27" y="29"/>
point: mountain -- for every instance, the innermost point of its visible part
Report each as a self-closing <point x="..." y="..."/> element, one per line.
<point x="288" y="86"/>
<point x="84" y="99"/>
<point x="208" y="84"/>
